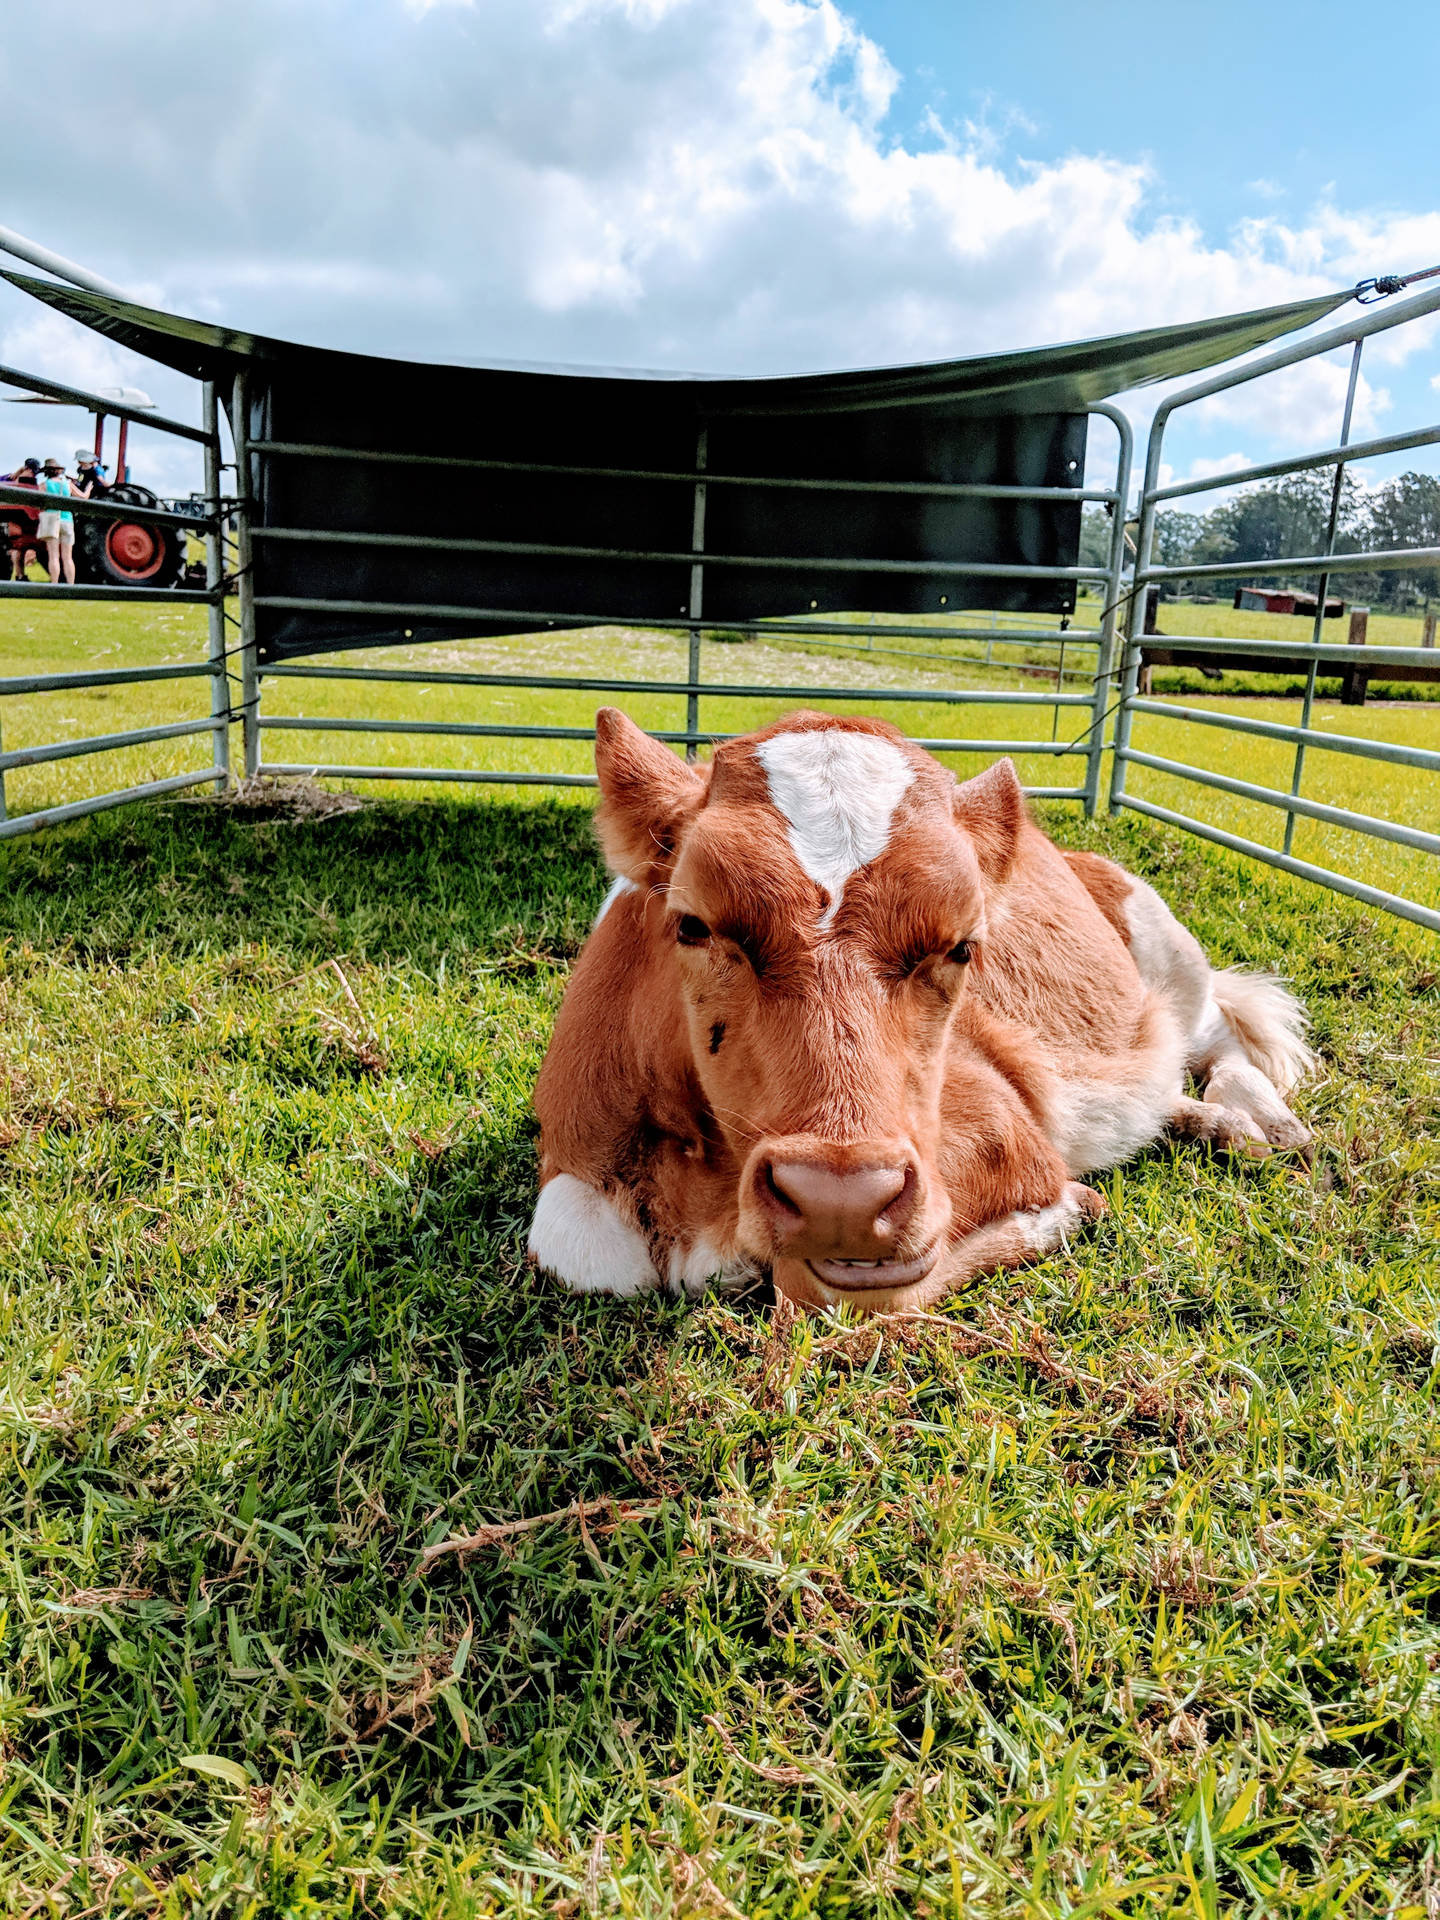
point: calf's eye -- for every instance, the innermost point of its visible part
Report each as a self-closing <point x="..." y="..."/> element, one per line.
<point x="960" y="953"/>
<point x="691" y="932"/>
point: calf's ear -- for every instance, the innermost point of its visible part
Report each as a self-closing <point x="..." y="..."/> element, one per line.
<point x="991" y="809"/>
<point x="646" y="794"/>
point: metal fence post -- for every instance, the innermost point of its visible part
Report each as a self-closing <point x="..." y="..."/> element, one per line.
<point x="215" y="585"/>
<point x="697" y="592"/>
<point x="1318" y="631"/>
<point x="1114" y="591"/>
<point x="244" y="559"/>
<point x="1354" y="681"/>
<point x="1135" y="624"/>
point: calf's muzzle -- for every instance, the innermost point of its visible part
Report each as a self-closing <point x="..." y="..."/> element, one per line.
<point x="855" y="1212"/>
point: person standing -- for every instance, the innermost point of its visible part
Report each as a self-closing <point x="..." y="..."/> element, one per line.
<point x="20" y="525"/>
<point x="90" y="481"/>
<point x="57" y="528"/>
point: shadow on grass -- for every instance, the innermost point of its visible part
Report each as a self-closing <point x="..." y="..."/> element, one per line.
<point x="342" y="1357"/>
<point x="418" y="881"/>
<point x="424" y="1383"/>
<point x="419" y="1382"/>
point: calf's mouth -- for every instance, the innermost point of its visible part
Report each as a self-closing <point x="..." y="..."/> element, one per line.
<point x="866" y="1276"/>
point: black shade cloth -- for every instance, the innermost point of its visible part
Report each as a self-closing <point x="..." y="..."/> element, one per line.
<point x="623" y="511"/>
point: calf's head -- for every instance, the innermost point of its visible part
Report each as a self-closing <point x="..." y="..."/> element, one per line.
<point x="822" y="888"/>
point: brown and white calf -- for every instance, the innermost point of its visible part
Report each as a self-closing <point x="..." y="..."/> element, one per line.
<point x="849" y="1021"/>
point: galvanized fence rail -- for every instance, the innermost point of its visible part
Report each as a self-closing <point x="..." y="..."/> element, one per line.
<point x="1083" y="655"/>
<point x="1317" y="652"/>
<point x="214" y="668"/>
<point x="236" y="675"/>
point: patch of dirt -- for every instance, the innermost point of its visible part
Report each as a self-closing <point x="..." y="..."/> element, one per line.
<point x="268" y="797"/>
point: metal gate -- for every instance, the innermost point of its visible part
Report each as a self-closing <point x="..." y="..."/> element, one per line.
<point x="1304" y="738"/>
<point x="1075" y="719"/>
<point x="215" y="668"/>
<point x="1093" y="707"/>
<point x="1084" y="710"/>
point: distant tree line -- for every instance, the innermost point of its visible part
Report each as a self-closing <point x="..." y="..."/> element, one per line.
<point x="1292" y="517"/>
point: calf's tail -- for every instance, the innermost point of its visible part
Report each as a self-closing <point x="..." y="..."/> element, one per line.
<point x="1268" y="1023"/>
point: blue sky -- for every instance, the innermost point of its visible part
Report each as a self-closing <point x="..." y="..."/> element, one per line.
<point x="1271" y="111"/>
<point x="1239" y="108"/>
<point x="730" y="185"/>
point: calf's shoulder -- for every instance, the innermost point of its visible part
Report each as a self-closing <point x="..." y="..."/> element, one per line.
<point x="1108" y="886"/>
<point x="618" y="1050"/>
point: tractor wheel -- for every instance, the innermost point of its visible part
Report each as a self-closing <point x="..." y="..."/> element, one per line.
<point x="129" y="553"/>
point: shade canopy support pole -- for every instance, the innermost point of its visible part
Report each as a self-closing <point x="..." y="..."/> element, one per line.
<point x="214" y="584"/>
<point x="245" y="580"/>
<point x="1318" y="633"/>
<point x="697" y="590"/>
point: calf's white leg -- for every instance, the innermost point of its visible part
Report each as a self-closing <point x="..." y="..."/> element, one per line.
<point x="584" y="1240"/>
<point x="1245" y="1031"/>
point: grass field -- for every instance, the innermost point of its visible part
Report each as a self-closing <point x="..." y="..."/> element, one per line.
<point x="1183" y="617"/>
<point x="1231" y="623"/>
<point x="35" y="638"/>
<point x="1113" y="1589"/>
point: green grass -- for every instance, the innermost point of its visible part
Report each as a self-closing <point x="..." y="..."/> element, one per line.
<point x="1270" y="686"/>
<point x="59" y="638"/>
<point x="1232" y="623"/>
<point x="1113" y="1589"/>
<point x="1186" y="617"/>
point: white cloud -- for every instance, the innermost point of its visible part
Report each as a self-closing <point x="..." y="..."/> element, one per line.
<point x="1301" y="406"/>
<point x="41" y="341"/>
<point x="1203" y="469"/>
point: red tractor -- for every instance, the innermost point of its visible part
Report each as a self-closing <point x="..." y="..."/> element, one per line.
<point x="129" y="552"/>
<point x="119" y="552"/>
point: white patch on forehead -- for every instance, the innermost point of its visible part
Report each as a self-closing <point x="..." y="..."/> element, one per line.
<point x="838" y="791"/>
<point x="622" y="885"/>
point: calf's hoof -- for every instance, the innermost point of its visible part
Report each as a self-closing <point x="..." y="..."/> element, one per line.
<point x="1241" y="1088"/>
<point x="1092" y="1205"/>
<point x="1228" y="1128"/>
<point x="1284" y="1131"/>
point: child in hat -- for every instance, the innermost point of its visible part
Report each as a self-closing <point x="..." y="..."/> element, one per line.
<point x="57" y="529"/>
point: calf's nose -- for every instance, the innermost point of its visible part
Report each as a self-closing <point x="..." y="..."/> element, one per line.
<point x="858" y="1212"/>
